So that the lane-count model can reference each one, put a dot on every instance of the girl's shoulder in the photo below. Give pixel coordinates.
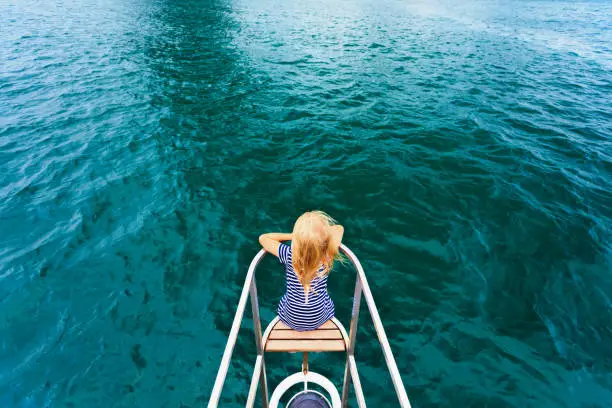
(284, 253)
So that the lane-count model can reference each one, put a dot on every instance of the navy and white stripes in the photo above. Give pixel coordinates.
(293, 310)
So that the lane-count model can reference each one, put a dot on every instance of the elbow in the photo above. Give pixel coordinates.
(262, 237)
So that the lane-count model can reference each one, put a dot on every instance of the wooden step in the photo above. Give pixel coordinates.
(328, 337)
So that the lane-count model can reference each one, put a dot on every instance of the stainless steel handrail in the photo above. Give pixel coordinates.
(231, 339)
(361, 287)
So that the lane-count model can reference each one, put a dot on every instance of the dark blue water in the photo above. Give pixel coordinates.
(466, 147)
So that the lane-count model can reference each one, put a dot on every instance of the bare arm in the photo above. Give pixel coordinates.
(271, 241)
(337, 231)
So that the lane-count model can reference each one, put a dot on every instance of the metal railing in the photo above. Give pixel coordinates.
(350, 372)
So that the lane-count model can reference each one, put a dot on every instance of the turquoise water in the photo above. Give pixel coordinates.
(466, 147)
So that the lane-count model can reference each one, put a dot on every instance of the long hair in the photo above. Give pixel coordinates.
(312, 247)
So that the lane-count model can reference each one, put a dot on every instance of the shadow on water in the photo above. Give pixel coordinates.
(197, 87)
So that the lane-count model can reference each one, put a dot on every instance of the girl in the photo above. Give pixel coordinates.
(314, 247)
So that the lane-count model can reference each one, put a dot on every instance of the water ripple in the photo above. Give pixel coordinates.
(143, 147)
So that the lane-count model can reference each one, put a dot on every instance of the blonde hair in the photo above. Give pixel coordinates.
(312, 247)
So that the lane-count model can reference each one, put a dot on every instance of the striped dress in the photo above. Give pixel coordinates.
(293, 309)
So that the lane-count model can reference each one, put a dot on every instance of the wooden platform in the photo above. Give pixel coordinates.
(282, 338)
